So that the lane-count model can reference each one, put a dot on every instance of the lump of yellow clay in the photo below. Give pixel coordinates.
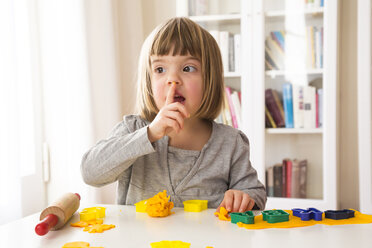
(170, 244)
(98, 228)
(78, 244)
(223, 214)
(195, 205)
(159, 205)
(92, 213)
(86, 223)
(141, 206)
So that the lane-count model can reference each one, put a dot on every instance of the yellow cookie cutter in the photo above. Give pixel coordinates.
(92, 213)
(195, 205)
(141, 206)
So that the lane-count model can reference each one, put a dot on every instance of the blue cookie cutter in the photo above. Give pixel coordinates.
(308, 214)
(339, 214)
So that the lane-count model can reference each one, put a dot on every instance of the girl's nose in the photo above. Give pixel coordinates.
(173, 82)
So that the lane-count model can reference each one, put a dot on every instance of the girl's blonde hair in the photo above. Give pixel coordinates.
(182, 36)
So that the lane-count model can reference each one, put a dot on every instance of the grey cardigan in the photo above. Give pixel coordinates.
(142, 168)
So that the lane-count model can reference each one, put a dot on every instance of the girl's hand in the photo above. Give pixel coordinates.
(170, 117)
(236, 201)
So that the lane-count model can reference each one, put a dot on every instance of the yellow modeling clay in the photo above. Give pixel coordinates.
(170, 244)
(86, 223)
(78, 244)
(141, 206)
(195, 205)
(92, 213)
(223, 214)
(159, 205)
(98, 228)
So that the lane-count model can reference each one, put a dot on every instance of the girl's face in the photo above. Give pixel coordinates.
(186, 72)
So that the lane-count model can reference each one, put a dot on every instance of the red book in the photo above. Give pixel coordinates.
(288, 164)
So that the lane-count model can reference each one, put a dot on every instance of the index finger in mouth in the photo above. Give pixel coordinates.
(170, 95)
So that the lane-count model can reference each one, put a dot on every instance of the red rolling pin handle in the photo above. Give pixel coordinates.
(46, 224)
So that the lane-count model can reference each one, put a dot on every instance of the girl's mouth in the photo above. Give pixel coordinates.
(180, 99)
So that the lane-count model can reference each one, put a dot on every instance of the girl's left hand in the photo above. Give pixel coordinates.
(236, 201)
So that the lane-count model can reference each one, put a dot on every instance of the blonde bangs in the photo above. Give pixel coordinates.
(182, 36)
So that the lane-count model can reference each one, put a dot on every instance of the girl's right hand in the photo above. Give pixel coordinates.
(170, 117)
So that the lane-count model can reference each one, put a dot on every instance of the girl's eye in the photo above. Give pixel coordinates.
(159, 70)
(189, 68)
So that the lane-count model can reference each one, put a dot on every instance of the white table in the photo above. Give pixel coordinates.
(200, 229)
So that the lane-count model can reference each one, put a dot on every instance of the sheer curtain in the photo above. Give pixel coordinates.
(17, 115)
(66, 78)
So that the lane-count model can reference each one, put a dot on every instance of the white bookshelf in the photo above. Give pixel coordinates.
(254, 19)
(365, 104)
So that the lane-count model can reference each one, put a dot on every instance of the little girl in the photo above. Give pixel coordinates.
(173, 143)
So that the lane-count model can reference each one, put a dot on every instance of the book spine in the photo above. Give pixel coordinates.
(231, 107)
(237, 108)
(288, 105)
(270, 182)
(303, 176)
(231, 53)
(289, 178)
(298, 106)
(309, 107)
(224, 47)
(278, 180)
(273, 108)
(237, 52)
(295, 193)
(320, 107)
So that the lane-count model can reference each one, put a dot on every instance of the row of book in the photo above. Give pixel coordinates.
(229, 44)
(231, 114)
(314, 3)
(301, 106)
(287, 179)
(276, 50)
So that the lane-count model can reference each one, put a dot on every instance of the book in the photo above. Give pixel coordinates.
(231, 107)
(273, 104)
(237, 52)
(269, 59)
(320, 107)
(303, 178)
(231, 53)
(270, 181)
(288, 105)
(288, 165)
(269, 118)
(309, 107)
(278, 180)
(276, 53)
(298, 105)
(224, 47)
(237, 108)
(284, 180)
(295, 192)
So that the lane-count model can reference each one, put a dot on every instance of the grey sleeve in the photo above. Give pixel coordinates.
(110, 157)
(243, 176)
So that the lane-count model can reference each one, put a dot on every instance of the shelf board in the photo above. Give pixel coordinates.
(275, 73)
(216, 18)
(294, 130)
(283, 13)
(232, 74)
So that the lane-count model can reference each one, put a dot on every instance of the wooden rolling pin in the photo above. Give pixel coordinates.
(56, 215)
